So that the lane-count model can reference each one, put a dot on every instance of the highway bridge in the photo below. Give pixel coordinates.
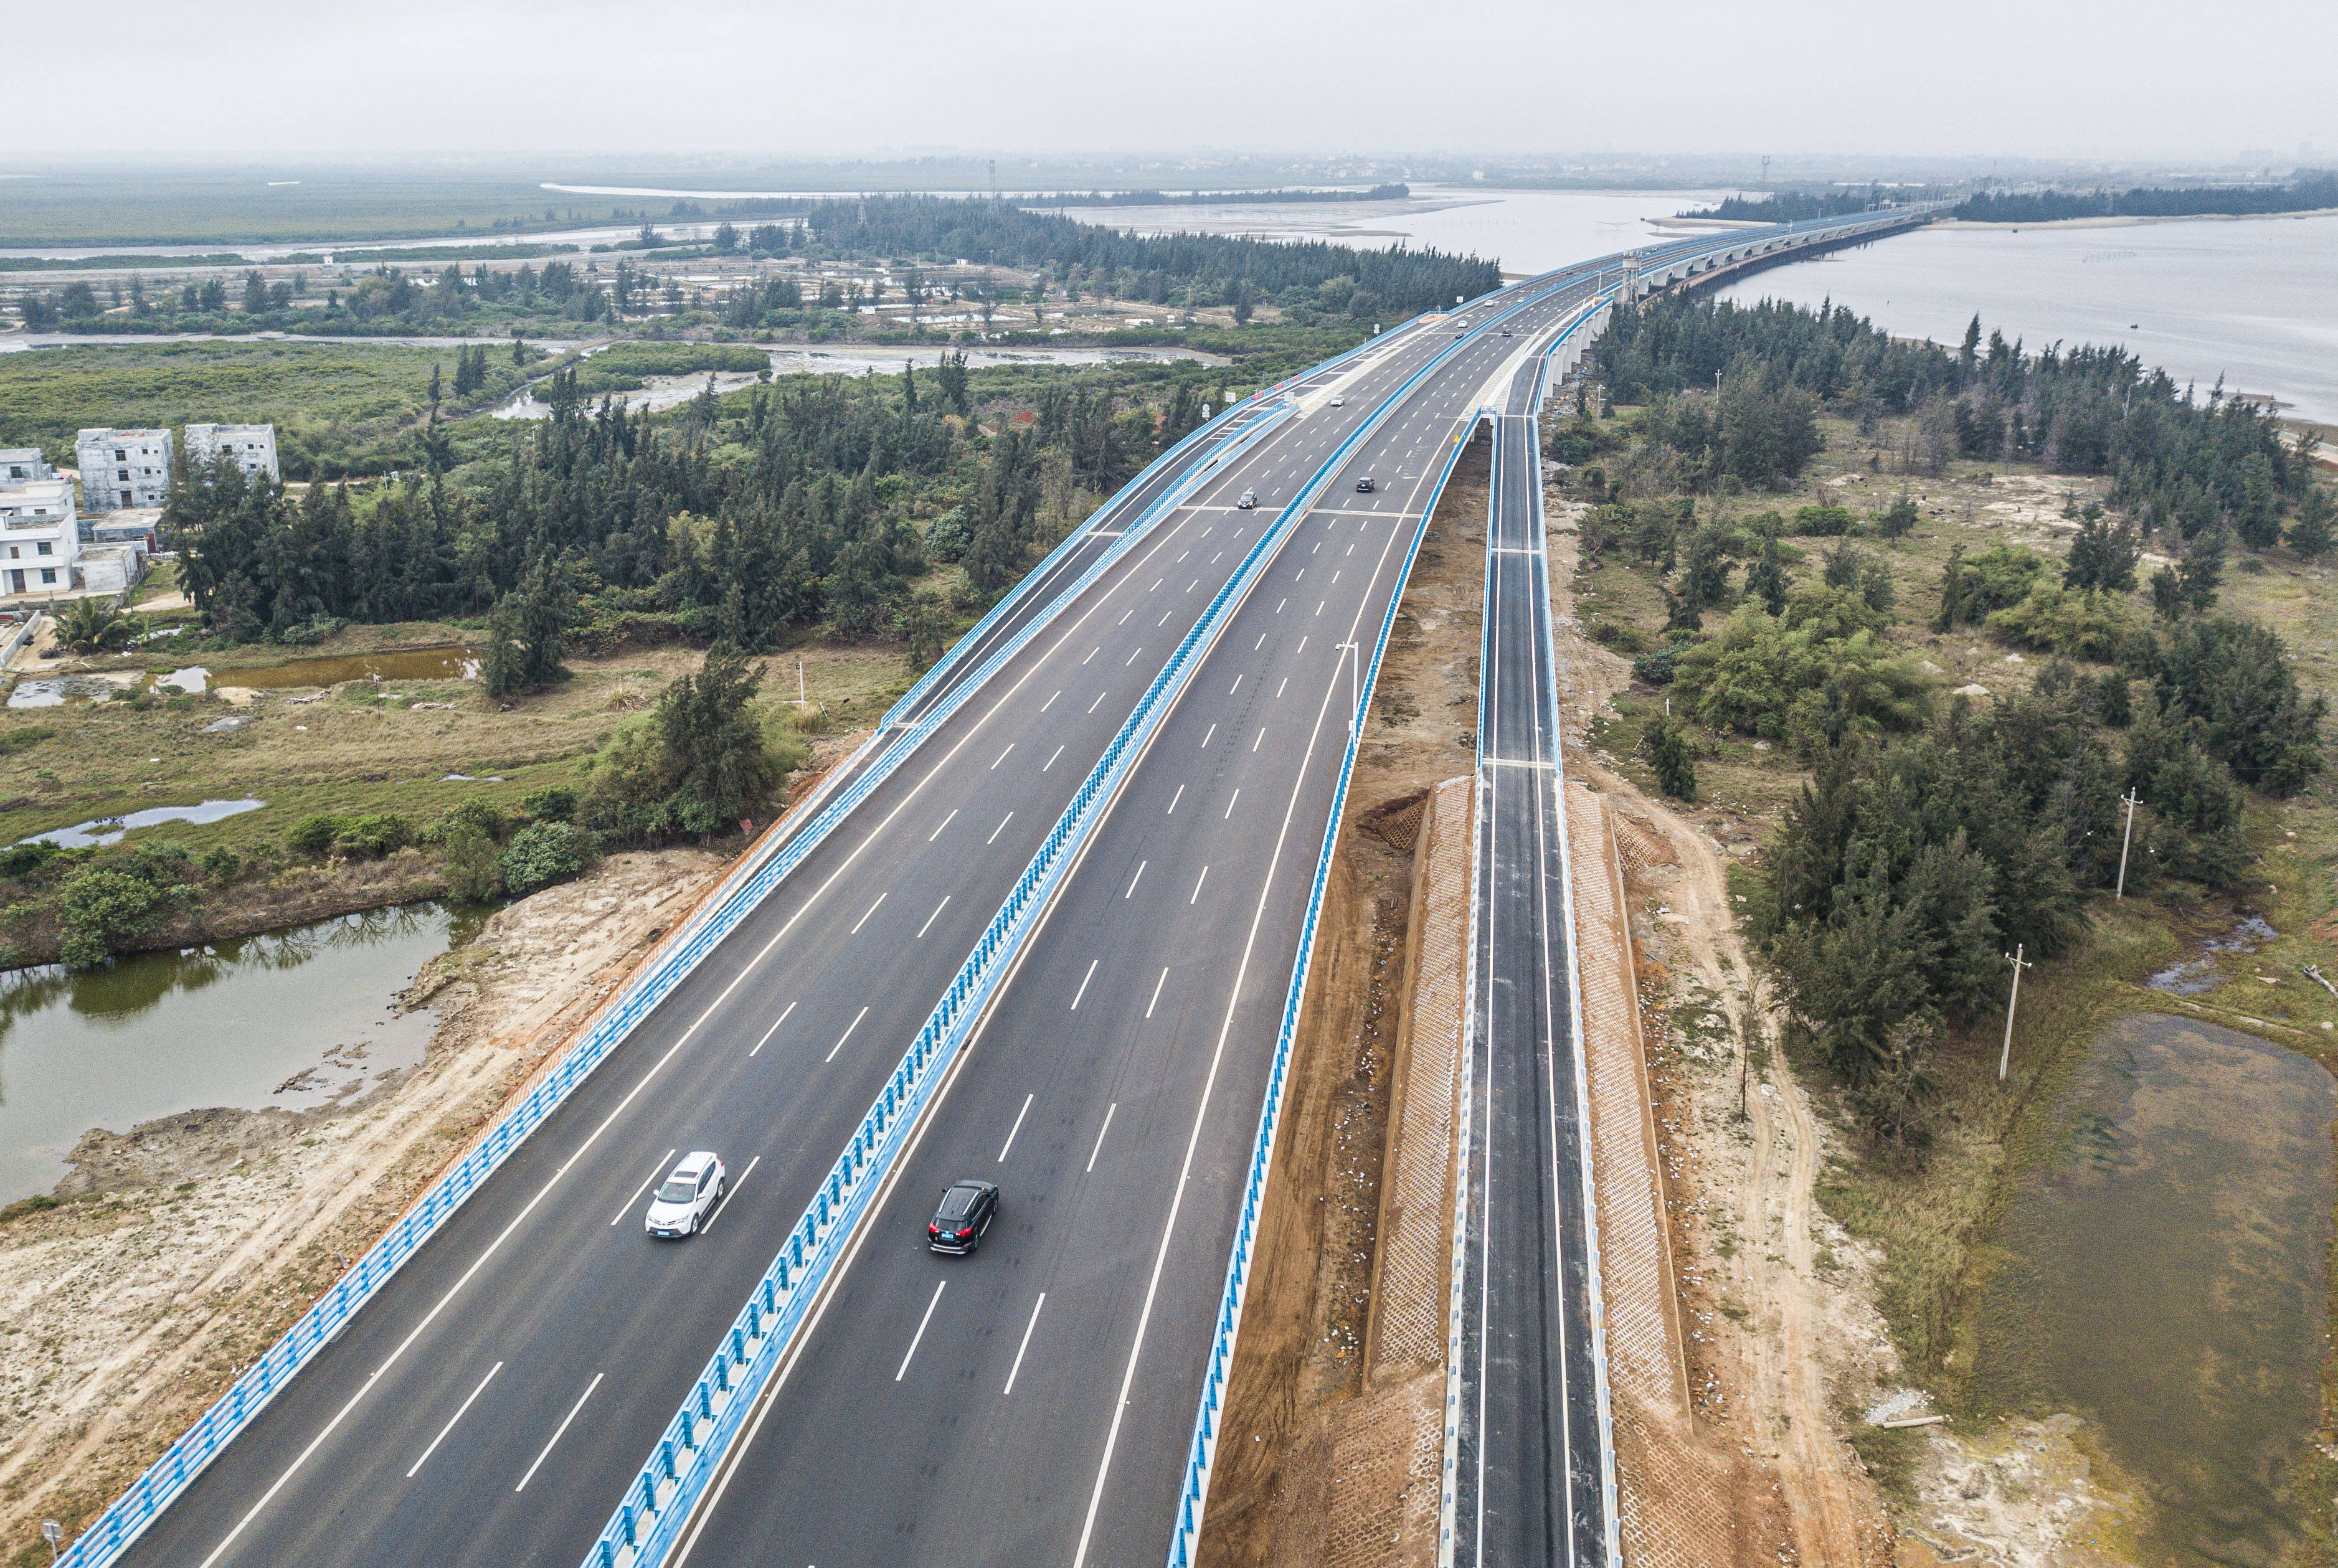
(1049, 927)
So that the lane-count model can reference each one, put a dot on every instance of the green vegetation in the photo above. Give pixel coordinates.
(2190, 467)
(337, 410)
(1181, 269)
(1394, 191)
(2310, 191)
(1797, 206)
(622, 367)
(700, 763)
(1935, 835)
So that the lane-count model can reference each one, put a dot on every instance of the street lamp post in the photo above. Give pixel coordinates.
(1355, 652)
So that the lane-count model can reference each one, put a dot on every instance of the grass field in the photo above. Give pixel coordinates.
(324, 399)
(251, 204)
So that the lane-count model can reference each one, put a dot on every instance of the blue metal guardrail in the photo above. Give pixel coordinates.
(1194, 1496)
(666, 966)
(1550, 718)
(658, 1502)
(1466, 1091)
(1186, 448)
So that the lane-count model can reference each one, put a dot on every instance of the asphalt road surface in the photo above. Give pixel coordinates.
(1031, 1403)
(1530, 1477)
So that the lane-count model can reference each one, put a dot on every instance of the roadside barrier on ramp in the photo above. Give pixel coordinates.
(659, 1502)
(781, 849)
(1592, 316)
(1194, 1496)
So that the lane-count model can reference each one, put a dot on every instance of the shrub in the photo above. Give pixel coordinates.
(1657, 668)
(24, 859)
(2082, 623)
(314, 835)
(1828, 522)
(1675, 765)
(222, 866)
(946, 537)
(100, 906)
(474, 868)
(476, 814)
(372, 835)
(544, 854)
(1898, 517)
(1972, 588)
(1760, 676)
(552, 803)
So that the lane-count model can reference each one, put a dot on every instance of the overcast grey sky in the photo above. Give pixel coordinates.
(2091, 78)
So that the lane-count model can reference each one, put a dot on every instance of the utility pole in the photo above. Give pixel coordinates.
(2005, 1057)
(2132, 800)
(799, 685)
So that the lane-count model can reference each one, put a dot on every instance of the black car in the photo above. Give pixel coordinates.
(964, 1218)
(1364, 485)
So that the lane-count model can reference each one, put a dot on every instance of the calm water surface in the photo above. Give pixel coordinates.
(2164, 1276)
(293, 1019)
(2254, 301)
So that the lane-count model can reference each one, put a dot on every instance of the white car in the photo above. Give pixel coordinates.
(683, 1202)
(1337, 401)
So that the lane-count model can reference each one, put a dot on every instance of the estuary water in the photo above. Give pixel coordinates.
(2253, 300)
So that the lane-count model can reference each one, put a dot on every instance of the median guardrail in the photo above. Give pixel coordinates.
(659, 1501)
(670, 962)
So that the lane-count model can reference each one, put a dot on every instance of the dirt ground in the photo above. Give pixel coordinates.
(1779, 1325)
(1298, 1365)
(190, 1244)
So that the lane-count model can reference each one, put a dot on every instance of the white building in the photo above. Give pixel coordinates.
(19, 464)
(123, 468)
(109, 568)
(254, 447)
(40, 536)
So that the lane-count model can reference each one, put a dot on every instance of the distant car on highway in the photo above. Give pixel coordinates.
(1249, 499)
(1364, 486)
(683, 1202)
(964, 1217)
(1339, 401)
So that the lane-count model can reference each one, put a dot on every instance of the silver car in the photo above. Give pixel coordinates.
(680, 1206)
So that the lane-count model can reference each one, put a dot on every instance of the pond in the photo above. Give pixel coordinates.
(110, 829)
(2164, 1276)
(297, 1018)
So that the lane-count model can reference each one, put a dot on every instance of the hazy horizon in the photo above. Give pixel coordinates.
(1979, 80)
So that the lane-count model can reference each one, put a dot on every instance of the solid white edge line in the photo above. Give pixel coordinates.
(560, 1431)
(939, 1286)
